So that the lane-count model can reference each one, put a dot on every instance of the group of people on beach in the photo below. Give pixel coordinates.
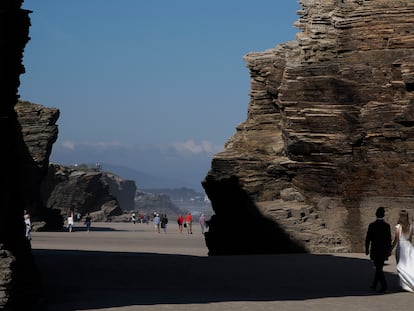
(379, 245)
(141, 218)
(70, 221)
(187, 222)
(160, 222)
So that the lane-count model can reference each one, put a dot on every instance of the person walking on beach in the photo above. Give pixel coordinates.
(70, 222)
(202, 222)
(189, 223)
(164, 222)
(404, 253)
(157, 222)
(88, 222)
(28, 225)
(180, 221)
(378, 246)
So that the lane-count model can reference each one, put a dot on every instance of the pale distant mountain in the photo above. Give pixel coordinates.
(145, 180)
(149, 168)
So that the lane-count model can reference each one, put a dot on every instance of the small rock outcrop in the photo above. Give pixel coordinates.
(329, 133)
(83, 190)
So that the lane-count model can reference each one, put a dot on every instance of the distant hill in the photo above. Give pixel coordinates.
(179, 194)
(186, 199)
(145, 180)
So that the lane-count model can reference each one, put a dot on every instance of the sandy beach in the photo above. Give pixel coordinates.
(122, 266)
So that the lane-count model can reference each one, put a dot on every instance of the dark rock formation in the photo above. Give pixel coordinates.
(329, 133)
(17, 271)
(72, 189)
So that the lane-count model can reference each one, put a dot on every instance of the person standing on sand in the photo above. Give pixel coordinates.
(202, 222)
(157, 222)
(70, 222)
(189, 223)
(28, 225)
(180, 221)
(164, 222)
(404, 253)
(88, 222)
(378, 246)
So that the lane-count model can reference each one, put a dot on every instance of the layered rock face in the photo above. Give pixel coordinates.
(39, 132)
(17, 272)
(329, 135)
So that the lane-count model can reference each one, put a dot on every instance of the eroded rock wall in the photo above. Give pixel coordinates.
(18, 277)
(329, 134)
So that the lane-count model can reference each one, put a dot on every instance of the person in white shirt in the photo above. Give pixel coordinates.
(157, 221)
(70, 223)
(28, 225)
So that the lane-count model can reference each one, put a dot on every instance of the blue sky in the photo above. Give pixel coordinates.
(157, 86)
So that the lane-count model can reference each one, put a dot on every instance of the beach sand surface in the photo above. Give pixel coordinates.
(126, 266)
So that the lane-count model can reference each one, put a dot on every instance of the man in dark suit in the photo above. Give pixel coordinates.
(379, 238)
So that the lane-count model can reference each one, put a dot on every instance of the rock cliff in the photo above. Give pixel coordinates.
(18, 278)
(329, 134)
(39, 131)
(75, 189)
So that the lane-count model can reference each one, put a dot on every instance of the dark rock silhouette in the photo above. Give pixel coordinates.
(18, 276)
(85, 190)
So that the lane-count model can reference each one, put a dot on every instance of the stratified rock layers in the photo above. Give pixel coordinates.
(18, 279)
(329, 134)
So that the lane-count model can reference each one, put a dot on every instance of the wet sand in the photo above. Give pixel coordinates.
(122, 266)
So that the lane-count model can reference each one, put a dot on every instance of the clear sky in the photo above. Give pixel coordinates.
(157, 86)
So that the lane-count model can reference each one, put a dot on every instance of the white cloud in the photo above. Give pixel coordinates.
(71, 145)
(192, 147)
(189, 147)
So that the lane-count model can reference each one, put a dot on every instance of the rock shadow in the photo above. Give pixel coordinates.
(109, 279)
(238, 227)
(80, 228)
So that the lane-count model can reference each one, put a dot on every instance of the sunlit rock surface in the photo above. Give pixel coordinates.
(329, 134)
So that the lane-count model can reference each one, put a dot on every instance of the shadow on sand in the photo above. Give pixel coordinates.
(81, 228)
(82, 280)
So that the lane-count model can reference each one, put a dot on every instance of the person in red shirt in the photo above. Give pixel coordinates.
(180, 221)
(189, 223)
